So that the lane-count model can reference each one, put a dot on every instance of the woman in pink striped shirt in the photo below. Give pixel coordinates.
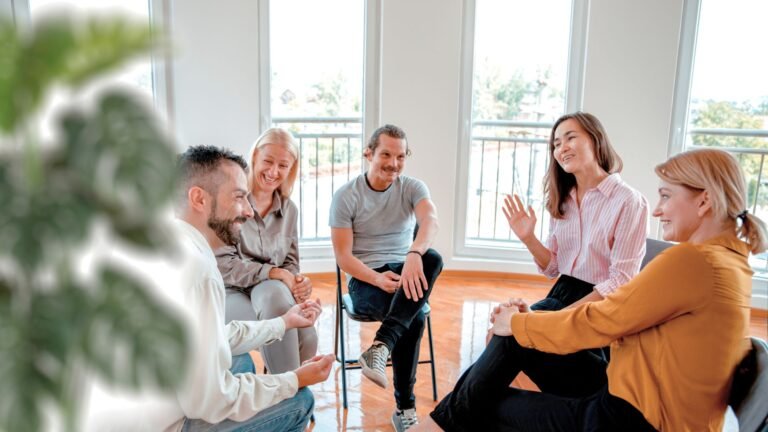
(598, 223)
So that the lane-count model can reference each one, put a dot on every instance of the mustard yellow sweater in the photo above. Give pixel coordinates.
(676, 331)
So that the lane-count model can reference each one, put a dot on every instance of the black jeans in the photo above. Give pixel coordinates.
(566, 291)
(574, 394)
(402, 322)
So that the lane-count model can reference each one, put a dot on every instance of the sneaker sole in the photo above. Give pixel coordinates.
(371, 375)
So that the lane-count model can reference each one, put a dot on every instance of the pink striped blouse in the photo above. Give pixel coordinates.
(603, 242)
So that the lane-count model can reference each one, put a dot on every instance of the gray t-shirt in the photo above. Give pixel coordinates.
(382, 222)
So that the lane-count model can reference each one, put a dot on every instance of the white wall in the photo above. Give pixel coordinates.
(215, 72)
(629, 80)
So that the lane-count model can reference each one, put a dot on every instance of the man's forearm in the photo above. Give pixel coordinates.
(355, 268)
(426, 235)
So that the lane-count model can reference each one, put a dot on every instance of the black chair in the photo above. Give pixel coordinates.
(344, 306)
(749, 391)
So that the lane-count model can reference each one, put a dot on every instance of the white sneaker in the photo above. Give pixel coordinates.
(404, 420)
(373, 363)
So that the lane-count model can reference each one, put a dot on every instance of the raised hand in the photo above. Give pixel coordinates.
(521, 221)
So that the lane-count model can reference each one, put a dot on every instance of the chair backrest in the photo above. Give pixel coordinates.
(749, 391)
(653, 248)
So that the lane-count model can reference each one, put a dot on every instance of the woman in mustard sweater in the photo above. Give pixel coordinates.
(677, 330)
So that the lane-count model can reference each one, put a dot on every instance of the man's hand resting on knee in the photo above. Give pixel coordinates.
(412, 277)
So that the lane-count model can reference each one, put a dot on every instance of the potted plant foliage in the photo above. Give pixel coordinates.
(109, 164)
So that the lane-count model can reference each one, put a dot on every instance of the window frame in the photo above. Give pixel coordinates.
(573, 99)
(681, 109)
(160, 62)
(371, 91)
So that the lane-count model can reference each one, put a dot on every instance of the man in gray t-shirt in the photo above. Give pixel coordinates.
(392, 274)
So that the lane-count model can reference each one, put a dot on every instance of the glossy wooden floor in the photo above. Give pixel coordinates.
(461, 306)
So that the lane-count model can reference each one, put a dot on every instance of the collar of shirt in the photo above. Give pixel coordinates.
(195, 237)
(730, 241)
(605, 187)
(277, 204)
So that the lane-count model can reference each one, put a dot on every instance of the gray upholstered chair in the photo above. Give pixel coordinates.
(653, 248)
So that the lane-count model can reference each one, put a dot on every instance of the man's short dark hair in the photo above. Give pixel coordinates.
(391, 131)
(199, 166)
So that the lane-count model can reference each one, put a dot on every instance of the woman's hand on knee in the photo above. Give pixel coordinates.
(502, 320)
(302, 288)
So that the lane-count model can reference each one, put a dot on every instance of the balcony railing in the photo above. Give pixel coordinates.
(331, 153)
(506, 157)
(754, 167)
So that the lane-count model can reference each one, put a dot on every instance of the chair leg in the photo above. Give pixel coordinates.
(342, 359)
(432, 358)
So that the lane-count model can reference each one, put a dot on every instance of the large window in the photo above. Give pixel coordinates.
(520, 63)
(138, 75)
(316, 88)
(146, 77)
(727, 103)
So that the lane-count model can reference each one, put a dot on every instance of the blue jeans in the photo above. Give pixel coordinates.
(289, 415)
(402, 322)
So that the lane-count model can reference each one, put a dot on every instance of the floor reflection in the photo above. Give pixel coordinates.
(461, 308)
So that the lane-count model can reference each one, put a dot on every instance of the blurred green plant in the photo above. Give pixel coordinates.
(110, 165)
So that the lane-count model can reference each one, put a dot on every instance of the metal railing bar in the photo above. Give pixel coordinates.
(317, 120)
(317, 181)
(755, 133)
(480, 206)
(496, 195)
(759, 183)
(513, 123)
(510, 139)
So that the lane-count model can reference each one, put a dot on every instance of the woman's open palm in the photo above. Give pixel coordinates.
(522, 222)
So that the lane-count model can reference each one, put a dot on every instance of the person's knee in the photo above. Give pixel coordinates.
(433, 261)
(418, 320)
(306, 402)
(273, 298)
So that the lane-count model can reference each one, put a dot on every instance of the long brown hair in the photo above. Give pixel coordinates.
(557, 182)
(718, 173)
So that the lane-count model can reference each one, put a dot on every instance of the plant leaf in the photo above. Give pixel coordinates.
(9, 54)
(60, 49)
(104, 44)
(133, 340)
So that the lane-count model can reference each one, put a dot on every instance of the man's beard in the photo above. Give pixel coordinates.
(224, 228)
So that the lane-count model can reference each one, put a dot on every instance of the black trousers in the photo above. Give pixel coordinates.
(574, 387)
(566, 291)
(402, 322)
(574, 394)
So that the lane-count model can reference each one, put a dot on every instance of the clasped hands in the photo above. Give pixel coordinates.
(501, 316)
(299, 285)
(411, 279)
